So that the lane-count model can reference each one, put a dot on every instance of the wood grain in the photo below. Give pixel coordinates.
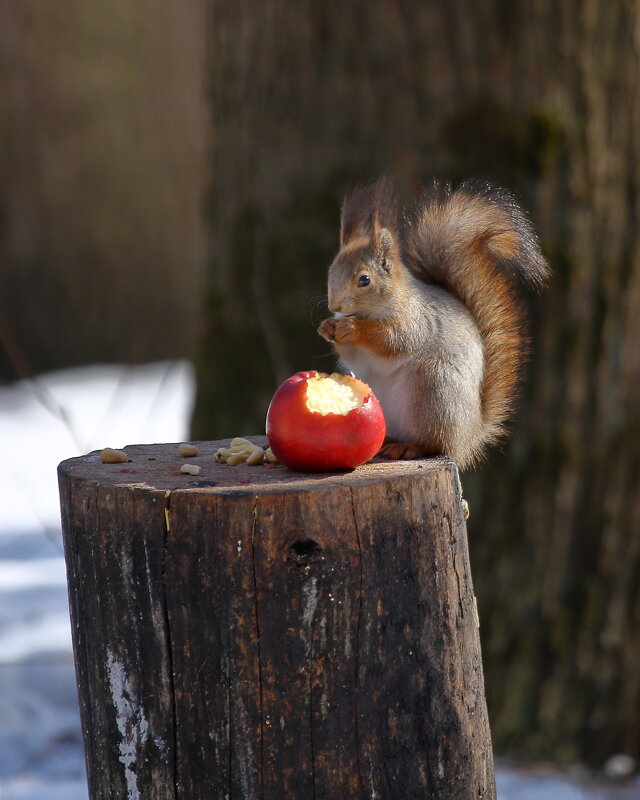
(292, 636)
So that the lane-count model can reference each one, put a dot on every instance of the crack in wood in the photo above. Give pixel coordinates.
(309, 591)
(454, 561)
(231, 732)
(311, 733)
(356, 678)
(257, 623)
(385, 765)
(169, 642)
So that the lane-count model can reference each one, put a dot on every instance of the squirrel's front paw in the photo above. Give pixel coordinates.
(340, 330)
(327, 329)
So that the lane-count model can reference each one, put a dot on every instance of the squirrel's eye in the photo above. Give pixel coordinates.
(364, 280)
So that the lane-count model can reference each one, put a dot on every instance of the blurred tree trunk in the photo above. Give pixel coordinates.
(103, 129)
(542, 97)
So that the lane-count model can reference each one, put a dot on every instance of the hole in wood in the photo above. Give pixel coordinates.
(304, 548)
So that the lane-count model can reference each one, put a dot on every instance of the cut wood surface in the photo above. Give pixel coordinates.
(254, 632)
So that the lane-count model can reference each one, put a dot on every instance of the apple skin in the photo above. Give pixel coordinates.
(311, 442)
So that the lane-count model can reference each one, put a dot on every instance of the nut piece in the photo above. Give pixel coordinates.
(269, 456)
(241, 450)
(255, 457)
(190, 469)
(111, 456)
(187, 450)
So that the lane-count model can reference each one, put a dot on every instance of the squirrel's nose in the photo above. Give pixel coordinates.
(333, 303)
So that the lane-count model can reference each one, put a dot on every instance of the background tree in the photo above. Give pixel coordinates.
(543, 97)
(103, 129)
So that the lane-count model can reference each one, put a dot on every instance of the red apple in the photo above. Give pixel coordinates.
(318, 422)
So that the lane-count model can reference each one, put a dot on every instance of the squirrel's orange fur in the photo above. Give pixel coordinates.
(427, 313)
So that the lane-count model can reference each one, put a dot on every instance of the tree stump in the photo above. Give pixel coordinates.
(255, 632)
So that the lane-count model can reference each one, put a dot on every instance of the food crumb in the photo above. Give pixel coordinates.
(190, 469)
(111, 456)
(269, 456)
(187, 450)
(240, 451)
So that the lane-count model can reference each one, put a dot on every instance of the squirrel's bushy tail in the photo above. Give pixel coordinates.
(476, 242)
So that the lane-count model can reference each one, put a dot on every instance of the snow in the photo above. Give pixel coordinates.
(43, 421)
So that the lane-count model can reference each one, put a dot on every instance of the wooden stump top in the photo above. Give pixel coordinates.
(157, 467)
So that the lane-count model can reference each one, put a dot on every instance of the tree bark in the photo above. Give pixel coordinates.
(103, 132)
(260, 633)
(541, 97)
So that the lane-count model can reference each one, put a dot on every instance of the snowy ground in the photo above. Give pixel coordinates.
(42, 422)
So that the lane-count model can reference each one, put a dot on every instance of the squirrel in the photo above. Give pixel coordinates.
(426, 311)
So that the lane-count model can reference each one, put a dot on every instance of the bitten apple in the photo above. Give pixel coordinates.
(318, 422)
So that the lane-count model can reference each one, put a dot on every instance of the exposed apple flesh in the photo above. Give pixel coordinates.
(335, 394)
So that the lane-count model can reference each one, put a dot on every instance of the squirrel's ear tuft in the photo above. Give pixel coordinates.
(367, 209)
(356, 217)
(384, 247)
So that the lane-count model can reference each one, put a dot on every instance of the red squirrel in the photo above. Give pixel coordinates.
(426, 312)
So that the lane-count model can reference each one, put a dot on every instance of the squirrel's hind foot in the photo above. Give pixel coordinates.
(401, 451)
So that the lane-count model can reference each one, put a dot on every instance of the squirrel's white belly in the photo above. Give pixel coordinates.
(392, 384)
